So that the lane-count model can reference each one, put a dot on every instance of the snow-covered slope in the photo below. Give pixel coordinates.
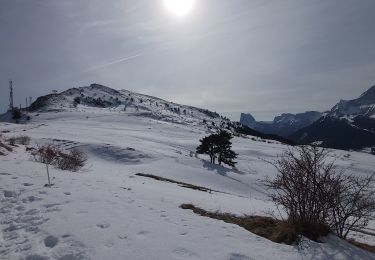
(105, 211)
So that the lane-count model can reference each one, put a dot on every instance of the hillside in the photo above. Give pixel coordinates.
(99, 96)
(106, 211)
(336, 133)
(85, 99)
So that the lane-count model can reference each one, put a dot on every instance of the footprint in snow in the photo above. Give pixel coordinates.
(239, 257)
(10, 194)
(182, 252)
(51, 241)
(72, 257)
(36, 257)
(31, 199)
(103, 225)
(143, 234)
(109, 243)
(27, 184)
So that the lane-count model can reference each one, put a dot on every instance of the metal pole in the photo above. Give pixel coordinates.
(11, 95)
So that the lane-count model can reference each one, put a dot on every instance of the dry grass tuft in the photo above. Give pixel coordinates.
(267, 227)
(181, 184)
(364, 246)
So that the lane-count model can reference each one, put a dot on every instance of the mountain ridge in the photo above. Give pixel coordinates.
(352, 120)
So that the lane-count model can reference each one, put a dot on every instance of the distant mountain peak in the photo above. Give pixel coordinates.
(247, 119)
(369, 94)
(283, 125)
(364, 105)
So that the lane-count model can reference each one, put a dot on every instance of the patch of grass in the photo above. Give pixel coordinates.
(364, 246)
(181, 184)
(275, 230)
(6, 147)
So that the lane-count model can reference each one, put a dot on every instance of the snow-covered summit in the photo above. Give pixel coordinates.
(364, 105)
(98, 96)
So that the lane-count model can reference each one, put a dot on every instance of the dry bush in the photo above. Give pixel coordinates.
(317, 197)
(12, 141)
(45, 154)
(72, 161)
(6, 147)
(49, 154)
(353, 205)
(24, 140)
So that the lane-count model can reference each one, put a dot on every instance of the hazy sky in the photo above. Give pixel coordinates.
(259, 56)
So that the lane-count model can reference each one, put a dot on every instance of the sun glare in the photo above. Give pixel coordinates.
(179, 7)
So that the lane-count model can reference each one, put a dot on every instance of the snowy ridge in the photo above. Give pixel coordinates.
(364, 106)
(126, 102)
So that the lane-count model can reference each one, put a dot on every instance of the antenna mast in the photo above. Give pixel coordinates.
(11, 95)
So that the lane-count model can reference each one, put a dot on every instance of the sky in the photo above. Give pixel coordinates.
(265, 57)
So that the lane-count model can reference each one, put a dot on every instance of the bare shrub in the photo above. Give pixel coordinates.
(6, 147)
(12, 141)
(72, 161)
(317, 197)
(302, 187)
(24, 140)
(49, 154)
(46, 154)
(353, 205)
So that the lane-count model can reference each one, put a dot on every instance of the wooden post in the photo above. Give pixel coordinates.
(49, 181)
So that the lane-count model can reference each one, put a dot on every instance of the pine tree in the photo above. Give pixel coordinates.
(208, 146)
(224, 149)
(218, 146)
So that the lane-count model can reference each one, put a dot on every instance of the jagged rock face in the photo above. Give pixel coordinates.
(247, 119)
(364, 105)
(298, 120)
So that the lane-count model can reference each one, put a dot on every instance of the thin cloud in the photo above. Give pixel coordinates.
(108, 64)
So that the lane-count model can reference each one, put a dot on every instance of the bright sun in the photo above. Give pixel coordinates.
(179, 7)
